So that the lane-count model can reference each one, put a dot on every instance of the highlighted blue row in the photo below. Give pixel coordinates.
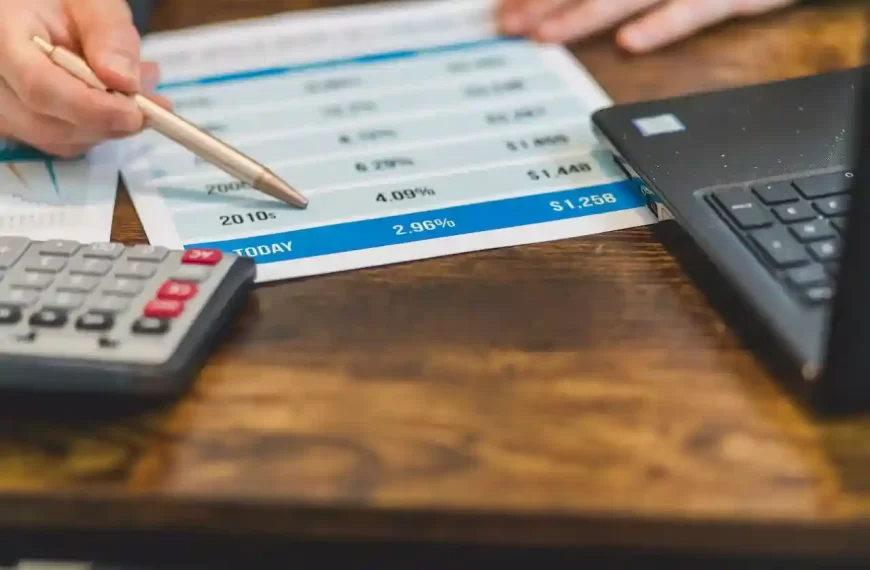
(434, 224)
(331, 63)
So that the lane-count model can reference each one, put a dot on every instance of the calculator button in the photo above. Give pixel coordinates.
(45, 264)
(192, 273)
(123, 287)
(174, 291)
(11, 250)
(18, 298)
(9, 315)
(152, 253)
(95, 322)
(104, 250)
(48, 318)
(160, 309)
(64, 301)
(63, 248)
(35, 281)
(148, 325)
(202, 256)
(109, 304)
(89, 266)
(77, 283)
(135, 269)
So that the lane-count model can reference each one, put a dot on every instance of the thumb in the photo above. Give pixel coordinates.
(109, 40)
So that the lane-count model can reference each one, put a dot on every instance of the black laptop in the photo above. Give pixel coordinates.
(771, 181)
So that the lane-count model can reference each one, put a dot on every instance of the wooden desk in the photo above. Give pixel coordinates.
(577, 393)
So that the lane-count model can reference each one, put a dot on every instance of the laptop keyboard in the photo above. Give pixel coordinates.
(795, 227)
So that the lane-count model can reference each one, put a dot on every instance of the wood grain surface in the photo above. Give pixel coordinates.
(582, 392)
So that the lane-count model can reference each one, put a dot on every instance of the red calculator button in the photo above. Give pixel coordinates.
(177, 291)
(161, 309)
(202, 256)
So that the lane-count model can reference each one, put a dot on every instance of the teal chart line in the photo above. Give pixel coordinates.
(11, 152)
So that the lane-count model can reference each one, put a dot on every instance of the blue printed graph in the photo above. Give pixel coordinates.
(12, 156)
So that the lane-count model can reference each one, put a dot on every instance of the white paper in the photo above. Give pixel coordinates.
(413, 128)
(43, 198)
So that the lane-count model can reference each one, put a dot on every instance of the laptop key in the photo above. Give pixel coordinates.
(825, 184)
(836, 206)
(818, 294)
(839, 224)
(776, 192)
(780, 247)
(807, 276)
(799, 212)
(825, 251)
(744, 209)
(812, 230)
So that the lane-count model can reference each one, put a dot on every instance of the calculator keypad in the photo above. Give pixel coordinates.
(102, 301)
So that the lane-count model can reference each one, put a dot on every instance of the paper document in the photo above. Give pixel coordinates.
(414, 130)
(43, 198)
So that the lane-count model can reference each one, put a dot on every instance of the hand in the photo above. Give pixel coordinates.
(655, 22)
(43, 105)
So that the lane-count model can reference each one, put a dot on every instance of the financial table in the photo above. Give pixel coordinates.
(406, 148)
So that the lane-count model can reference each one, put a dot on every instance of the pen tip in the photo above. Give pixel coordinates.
(277, 188)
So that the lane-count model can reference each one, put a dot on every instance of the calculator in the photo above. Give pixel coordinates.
(86, 318)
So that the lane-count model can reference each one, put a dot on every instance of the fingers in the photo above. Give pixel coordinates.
(678, 19)
(524, 16)
(578, 20)
(47, 134)
(109, 41)
(47, 89)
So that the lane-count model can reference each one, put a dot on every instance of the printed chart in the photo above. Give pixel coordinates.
(411, 144)
(45, 198)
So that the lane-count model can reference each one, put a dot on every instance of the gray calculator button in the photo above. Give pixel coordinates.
(77, 283)
(30, 280)
(64, 301)
(18, 297)
(11, 250)
(44, 264)
(152, 253)
(95, 322)
(48, 318)
(151, 326)
(123, 287)
(62, 247)
(96, 267)
(9, 315)
(194, 273)
(109, 304)
(104, 250)
(135, 269)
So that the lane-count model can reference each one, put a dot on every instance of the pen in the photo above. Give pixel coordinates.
(186, 134)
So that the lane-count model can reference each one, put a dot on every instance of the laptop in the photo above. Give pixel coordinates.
(771, 181)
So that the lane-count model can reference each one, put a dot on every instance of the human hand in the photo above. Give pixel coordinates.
(43, 105)
(654, 23)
